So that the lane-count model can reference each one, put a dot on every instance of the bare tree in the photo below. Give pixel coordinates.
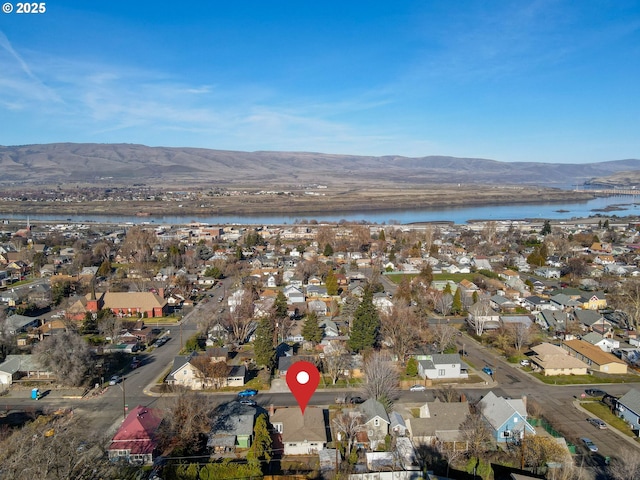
(67, 448)
(443, 335)
(335, 362)
(520, 334)
(401, 330)
(479, 315)
(110, 326)
(186, 424)
(67, 355)
(443, 303)
(211, 373)
(627, 299)
(240, 322)
(448, 394)
(476, 432)
(381, 379)
(625, 466)
(451, 452)
(348, 424)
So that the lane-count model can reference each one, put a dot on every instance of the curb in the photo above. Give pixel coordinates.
(577, 406)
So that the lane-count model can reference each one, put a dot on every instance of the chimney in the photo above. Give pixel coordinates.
(271, 410)
(524, 400)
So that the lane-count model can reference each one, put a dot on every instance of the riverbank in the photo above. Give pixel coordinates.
(329, 201)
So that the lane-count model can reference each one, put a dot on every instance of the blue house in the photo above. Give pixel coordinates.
(506, 417)
(628, 407)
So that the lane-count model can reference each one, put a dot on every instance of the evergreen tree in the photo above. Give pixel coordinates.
(365, 325)
(382, 236)
(447, 289)
(546, 228)
(311, 330)
(331, 282)
(328, 250)
(280, 309)
(263, 345)
(475, 297)
(105, 269)
(260, 450)
(412, 367)
(456, 306)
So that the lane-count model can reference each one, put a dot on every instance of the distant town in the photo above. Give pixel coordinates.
(489, 350)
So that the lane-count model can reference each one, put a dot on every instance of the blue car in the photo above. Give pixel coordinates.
(249, 392)
(488, 371)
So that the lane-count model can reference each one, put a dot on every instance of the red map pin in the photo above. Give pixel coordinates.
(303, 379)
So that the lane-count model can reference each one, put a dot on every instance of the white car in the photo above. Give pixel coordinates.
(525, 362)
(417, 388)
(114, 380)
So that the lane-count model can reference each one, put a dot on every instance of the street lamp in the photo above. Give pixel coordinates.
(124, 402)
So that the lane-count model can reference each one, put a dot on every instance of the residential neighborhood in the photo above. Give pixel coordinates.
(412, 328)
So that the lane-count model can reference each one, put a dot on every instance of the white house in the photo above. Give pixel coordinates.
(442, 366)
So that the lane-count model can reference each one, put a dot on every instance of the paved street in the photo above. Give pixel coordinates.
(558, 403)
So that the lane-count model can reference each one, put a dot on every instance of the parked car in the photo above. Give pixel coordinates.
(135, 363)
(525, 362)
(589, 444)
(249, 392)
(114, 380)
(596, 422)
(356, 400)
(248, 401)
(595, 392)
(488, 371)
(417, 388)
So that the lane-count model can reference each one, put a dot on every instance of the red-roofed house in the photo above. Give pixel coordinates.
(135, 441)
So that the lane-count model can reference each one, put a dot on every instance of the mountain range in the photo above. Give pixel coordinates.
(91, 163)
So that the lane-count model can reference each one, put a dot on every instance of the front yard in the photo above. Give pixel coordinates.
(603, 412)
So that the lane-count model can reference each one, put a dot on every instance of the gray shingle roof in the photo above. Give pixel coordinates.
(372, 408)
(497, 410)
(631, 400)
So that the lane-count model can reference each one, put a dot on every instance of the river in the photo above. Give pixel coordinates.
(458, 215)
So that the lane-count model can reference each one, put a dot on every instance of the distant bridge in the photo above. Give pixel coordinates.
(610, 191)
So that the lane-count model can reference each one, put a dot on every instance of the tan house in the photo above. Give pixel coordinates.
(298, 434)
(594, 357)
(553, 360)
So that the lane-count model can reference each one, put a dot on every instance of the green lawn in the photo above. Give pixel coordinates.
(585, 379)
(604, 413)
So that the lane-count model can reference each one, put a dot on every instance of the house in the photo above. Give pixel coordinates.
(594, 301)
(298, 434)
(506, 417)
(438, 421)
(442, 366)
(628, 408)
(232, 428)
(552, 320)
(293, 294)
(547, 272)
(376, 423)
(482, 317)
(604, 343)
(20, 323)
(127, 304)
(554, 360)
(15, 367)
(397, 426)
(593, 356)
(187, 372)
(317, 306)
(136, 439)
(502, 303)
(592, 321)
(562, 301)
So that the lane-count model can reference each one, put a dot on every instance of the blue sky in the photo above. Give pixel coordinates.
(521, 80)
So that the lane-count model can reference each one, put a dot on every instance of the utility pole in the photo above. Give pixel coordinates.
(124, 401)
